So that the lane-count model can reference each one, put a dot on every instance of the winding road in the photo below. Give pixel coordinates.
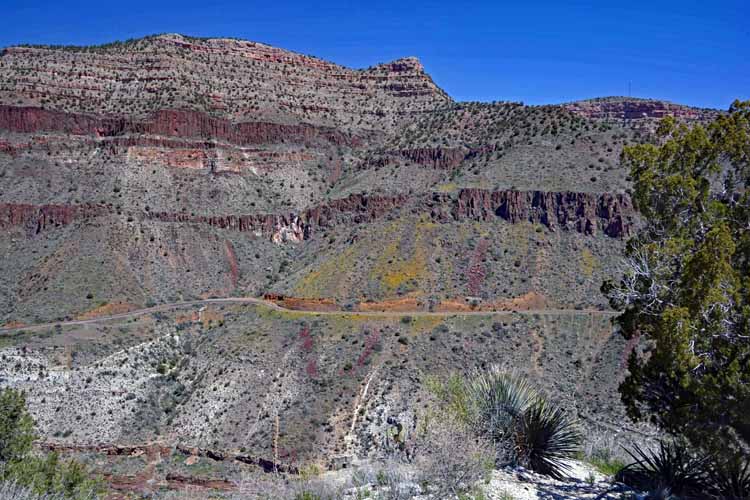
(273, 305)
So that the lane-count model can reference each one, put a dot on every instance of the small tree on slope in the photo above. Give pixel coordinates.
(16, 427)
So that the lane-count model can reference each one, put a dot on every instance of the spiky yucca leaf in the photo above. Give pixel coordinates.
(730, 478)
(546, 437)
(498, 399)
(671, 467)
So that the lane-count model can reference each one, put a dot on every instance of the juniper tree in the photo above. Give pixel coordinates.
(686, 286)
(16, 426)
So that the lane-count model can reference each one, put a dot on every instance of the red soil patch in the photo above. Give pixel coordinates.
(405, 304)
(107, 310)
(178, 481)
(209, 316)
(187, 318)
(525, 302)
(455, 305)
(234, 269)
(477, 269)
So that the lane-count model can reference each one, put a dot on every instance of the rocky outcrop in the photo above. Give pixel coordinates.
(586, 213)
(446, 158)
(636, 109)
(440, 158)
(148, 449)
(169, 123)
(38, 218)
(281, 228)
(582, 212)
(219, 76)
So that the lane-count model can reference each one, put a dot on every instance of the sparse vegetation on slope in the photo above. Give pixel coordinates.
(23, 471)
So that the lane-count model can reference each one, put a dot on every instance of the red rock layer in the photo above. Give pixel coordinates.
(38, 218)
(171, 123)
(582, 212)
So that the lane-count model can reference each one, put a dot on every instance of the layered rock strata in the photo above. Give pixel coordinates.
(585, 213)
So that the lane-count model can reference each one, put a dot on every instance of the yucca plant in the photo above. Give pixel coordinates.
(525, 428)
(546, 437)
(730, 478)
(671, 467)
(497, 399)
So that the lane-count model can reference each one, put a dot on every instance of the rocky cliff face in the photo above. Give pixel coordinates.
(223, 77)
(168, 123)
(621, 108)
(582, 212)
(35, 219)
(195, 167)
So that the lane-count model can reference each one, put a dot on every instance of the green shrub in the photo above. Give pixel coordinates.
(16, 426)
(607, 466)
(49, 474)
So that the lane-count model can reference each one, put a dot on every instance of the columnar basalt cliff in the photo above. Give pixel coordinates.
(38, 218)
(582, 212)
(437, 157)
(434, 157)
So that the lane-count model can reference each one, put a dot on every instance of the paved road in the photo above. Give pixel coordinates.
(273, 305)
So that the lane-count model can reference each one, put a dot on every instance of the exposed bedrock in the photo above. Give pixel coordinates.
(633, 109)
(586, 213)
(583, 212)
(38, 218)
(171, 123)
(438, 157)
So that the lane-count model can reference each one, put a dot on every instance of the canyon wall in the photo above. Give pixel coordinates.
(585, 213)
(170, 123)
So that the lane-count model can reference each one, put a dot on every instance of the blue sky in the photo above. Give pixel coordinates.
(692, 52)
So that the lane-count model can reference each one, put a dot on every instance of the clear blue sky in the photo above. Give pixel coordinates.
(688, 51)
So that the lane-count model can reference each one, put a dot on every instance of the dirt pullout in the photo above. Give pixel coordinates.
(13, 324)
(526, 302)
